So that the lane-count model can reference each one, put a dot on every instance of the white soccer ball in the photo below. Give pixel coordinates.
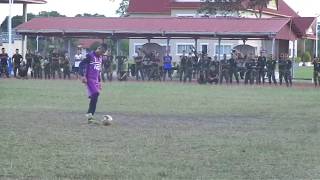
(107, 119)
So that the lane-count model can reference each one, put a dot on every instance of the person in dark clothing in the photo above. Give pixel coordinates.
(29, 58)
(36, 66)
(288, 70)
(17, 59)
(282, 70)
(250, 70)
(139, 65)
(271, 67)
(261, 73)
(188, 68)
(4, 63)
(316, 72)
(233, 68)
(224, 69)
(183, 61)
(66, 66)
(55, 67)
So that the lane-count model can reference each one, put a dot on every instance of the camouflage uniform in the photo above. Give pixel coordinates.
(271, 66)
(233, 69)
(282, 71)
(183, 60)
(188, 69)
(261, 69)
(316, 72)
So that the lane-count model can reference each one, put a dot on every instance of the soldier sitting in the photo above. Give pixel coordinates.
(23, 70)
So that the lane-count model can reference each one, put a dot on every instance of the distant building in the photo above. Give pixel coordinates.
(188, 9)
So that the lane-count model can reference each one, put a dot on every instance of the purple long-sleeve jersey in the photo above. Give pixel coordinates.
(93, 71)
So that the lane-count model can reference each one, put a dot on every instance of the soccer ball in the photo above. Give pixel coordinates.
(107, 119)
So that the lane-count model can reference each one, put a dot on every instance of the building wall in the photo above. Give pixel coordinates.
(260, 45)
(150, 15)
(16, 45)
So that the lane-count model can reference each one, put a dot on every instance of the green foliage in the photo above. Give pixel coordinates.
(213, 7)
(306, 57)
(17, 20)
(226, 8)
(298, 59)
(90, 15)
(123, 8)
(258, 5)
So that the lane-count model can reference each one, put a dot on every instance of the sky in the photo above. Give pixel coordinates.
(109, 7)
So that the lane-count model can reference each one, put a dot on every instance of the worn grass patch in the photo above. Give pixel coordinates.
(161, 131)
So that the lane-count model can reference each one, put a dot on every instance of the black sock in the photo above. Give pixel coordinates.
(93, 103)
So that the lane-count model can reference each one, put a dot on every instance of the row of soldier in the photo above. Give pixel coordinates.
(249, 68)
(39, 66)
(151, 66)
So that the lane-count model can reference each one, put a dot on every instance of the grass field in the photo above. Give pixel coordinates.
(161, 131)
(303, 73)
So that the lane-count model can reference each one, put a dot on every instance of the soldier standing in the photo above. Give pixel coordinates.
(107, 61)
(46, 68)
(66, 66)
(288, 70)
(188, 68)
(139, 65)
(29, 59)
(233, 68)
(282, 70)
(316, 72)
(225, 68)
(261, 69)
(54, 64)
(36, 66)
(17, 59)
(183, 60)
(249, 75)
(271, 66)
(4, 63)
(167, 66)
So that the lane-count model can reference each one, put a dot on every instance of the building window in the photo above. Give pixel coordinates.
(184, 47)
(136, 47)
(204, 48)
(224, 49)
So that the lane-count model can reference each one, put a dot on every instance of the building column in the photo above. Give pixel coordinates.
(24, 37)
(293, 57)
(219, 46)
(168, 46)
(196, 44)
(117, 47)
(273, 47)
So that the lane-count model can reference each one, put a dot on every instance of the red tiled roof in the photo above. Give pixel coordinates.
(26, 1)
(149, 6)
(155, 27)
(302, 24)
(165, 6)
(283, 10)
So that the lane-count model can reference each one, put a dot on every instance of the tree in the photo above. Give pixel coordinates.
(213, 7)
(90, 15)
(17, 20)
(229, 7)
(123, 8)
(258, 5)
